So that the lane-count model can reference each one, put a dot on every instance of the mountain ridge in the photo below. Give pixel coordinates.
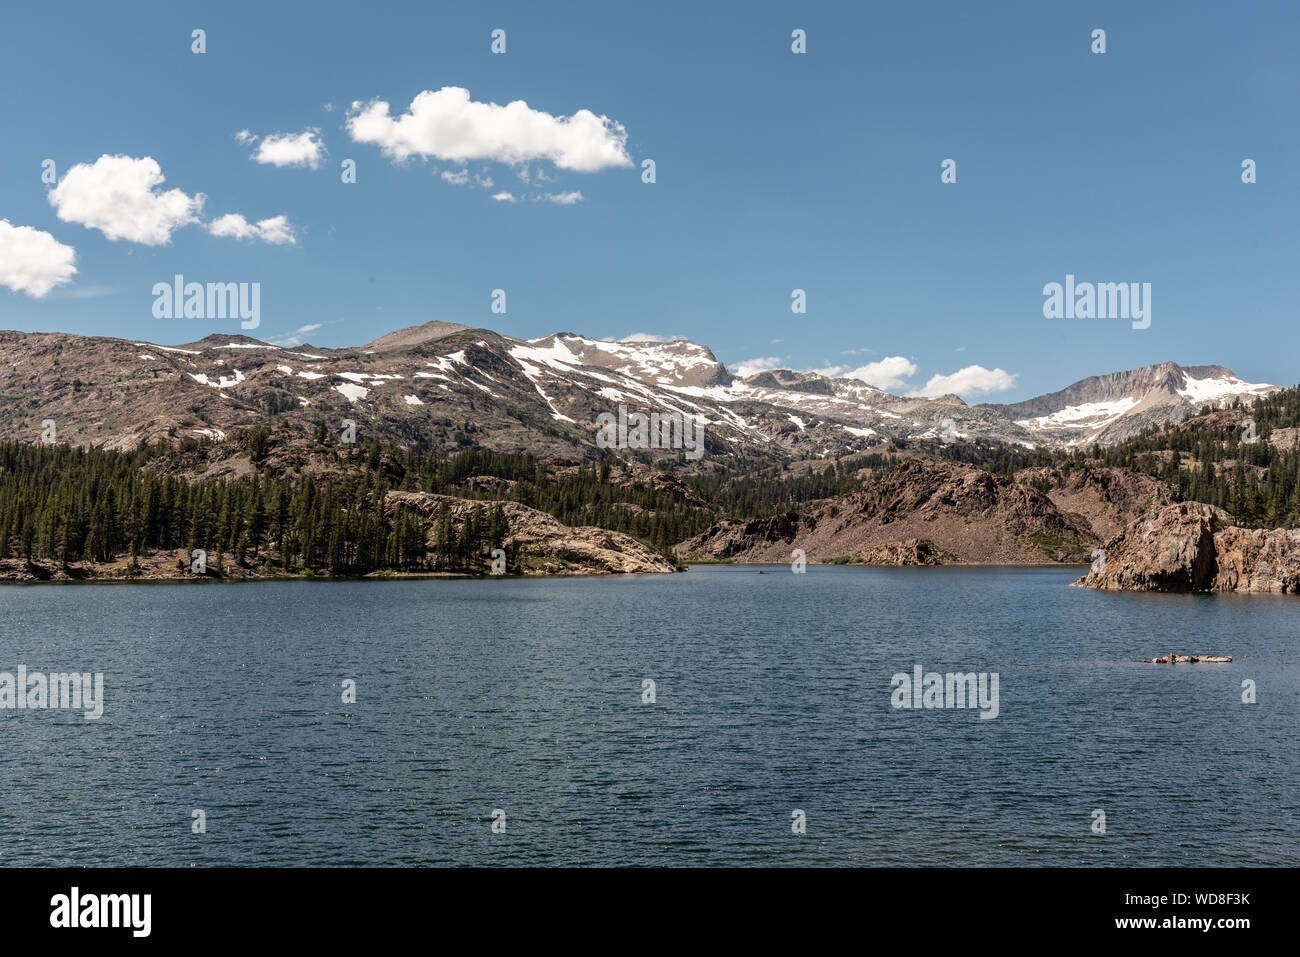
(450, 385)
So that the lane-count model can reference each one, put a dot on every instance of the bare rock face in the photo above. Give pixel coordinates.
(1284, 439)
(1169, 549)
(1258, 560)
(488, 483)
(1108, 497)
(748, 540)
(911, 551)
(551, 547)
(1190, 547)
(974, 516)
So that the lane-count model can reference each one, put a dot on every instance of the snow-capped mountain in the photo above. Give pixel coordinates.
(1107, 409)
(445, 385)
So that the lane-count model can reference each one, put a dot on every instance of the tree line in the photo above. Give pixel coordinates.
(66, 505)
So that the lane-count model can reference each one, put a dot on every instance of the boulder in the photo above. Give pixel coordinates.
(559, 548)
(910, 551)
(1190, 547)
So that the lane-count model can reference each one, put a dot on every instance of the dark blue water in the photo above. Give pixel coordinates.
(773, 694)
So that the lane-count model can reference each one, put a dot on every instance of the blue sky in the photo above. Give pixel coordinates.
(774, 171)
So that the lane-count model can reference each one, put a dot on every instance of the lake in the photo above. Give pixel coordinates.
(520, 702)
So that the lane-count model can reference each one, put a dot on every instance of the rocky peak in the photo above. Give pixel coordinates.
(791, 381)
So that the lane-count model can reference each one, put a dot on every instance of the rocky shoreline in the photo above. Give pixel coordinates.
(18, 572)
(1191, 547)
(113, 574)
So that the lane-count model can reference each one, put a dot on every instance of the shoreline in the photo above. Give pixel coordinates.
(256, 579)
(910, 567)
(462, 576)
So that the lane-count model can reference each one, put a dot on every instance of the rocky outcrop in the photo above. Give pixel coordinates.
(172, 565)
(543, 544)
(1172, 659)
(973, 515)
(1190, 547)
(1108, 498)
(1257, 560)
(731, 539)
(909, 552)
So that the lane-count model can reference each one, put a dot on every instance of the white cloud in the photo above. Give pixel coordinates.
(504, 197)
(972, 380)
(118, 195)
(528, 175)
(244, 137)
(297, 338)
(650, 337)
(462, 177)
(748, 367)
(891, 374)
(448, 125)
(86, 292)
(560, 199)
(888, 373)
(33, 261)
(288, 149)
(275, 230)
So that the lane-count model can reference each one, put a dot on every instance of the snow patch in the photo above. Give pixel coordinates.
(224, 382)
(1082, 416)
(352, 392)
(1201, 391)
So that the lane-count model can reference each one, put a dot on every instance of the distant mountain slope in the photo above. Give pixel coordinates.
(448, 386)
(1110, 408)
(413, 336)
